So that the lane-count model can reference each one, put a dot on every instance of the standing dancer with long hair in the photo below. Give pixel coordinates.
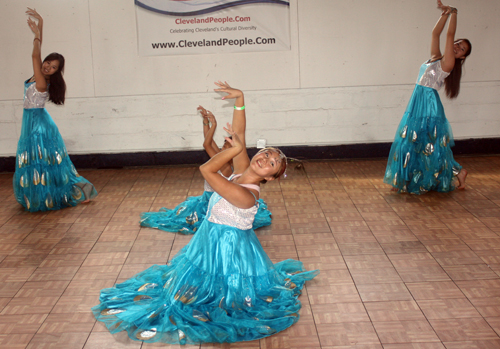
(222, 286)
(187, 217)
(421, 158)
(45, 178)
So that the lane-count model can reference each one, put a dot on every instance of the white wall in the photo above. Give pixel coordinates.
(347, 78)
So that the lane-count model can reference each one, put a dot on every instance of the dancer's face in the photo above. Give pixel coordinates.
(266, 164)
(460, 48)
(50, 67)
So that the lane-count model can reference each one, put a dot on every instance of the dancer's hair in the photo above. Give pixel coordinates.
(452, 82)
(57, 86)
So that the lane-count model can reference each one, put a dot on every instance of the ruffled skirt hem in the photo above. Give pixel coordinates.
(185, 218)
(221, 287)
(45, 178)
(421, 159)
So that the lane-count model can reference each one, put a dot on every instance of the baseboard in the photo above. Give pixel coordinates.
(482, 146)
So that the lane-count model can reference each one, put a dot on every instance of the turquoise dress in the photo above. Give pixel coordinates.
(221, 287)
(421, 158)
(45, 178)
(187, 217)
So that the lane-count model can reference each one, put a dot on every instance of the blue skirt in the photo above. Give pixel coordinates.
(221, 287)
(45, 178)
(421, 158)
(187, 217)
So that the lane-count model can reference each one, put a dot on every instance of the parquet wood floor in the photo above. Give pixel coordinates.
(397, 271)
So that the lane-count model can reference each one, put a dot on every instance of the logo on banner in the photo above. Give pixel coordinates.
(197, 7)
(180, 27)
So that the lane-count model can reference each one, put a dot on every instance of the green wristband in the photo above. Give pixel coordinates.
(239, 108)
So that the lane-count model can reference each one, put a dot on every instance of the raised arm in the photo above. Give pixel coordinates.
(209, 127)
(448, 58)
(210, 124)
(206, 122)
(241, 161)
(448, 61)
(436, 32)
(209, 139)
(32, 12)
(232, 192)
(36, 55)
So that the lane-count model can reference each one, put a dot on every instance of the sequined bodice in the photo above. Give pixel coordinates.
(220, 211)
(432, 75)
(33, 98)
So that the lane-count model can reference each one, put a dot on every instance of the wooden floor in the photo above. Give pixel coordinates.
(397, 270)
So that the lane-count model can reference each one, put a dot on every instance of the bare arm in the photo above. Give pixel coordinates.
(448, 61)
(232, 192)
(32, 12)
(36, 55)
(208, 122)
(241, 161)
(209, 127)
(206, 126)
(209, 139)
(448, 58)
(436, 33)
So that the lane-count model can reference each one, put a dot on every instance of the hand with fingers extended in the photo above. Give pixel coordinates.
(208, 116)
(202, 111)
(231, 92)
(32, 12)
(211, 118)
(34, 28)
(235, 141)
(204, 114)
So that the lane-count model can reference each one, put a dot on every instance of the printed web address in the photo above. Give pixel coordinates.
(220, 42)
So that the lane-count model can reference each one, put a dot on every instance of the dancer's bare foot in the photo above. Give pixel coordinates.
(86, 190)
(462, 175)
(394, 189)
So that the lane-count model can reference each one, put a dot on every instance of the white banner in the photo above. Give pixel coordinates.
(185, 27)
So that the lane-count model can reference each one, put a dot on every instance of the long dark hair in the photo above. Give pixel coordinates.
(452, 82)
(57, 86)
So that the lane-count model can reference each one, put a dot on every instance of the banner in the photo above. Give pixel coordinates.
(186, 27)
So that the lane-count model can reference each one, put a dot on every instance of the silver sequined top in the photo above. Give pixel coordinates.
(222, 212)
(33, 98)
(225, 213)
(432, 75)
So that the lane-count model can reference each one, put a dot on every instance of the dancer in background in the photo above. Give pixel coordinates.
(187, 217)
(421, 158)
(222, 286)
(209, 127)
(45, 178)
